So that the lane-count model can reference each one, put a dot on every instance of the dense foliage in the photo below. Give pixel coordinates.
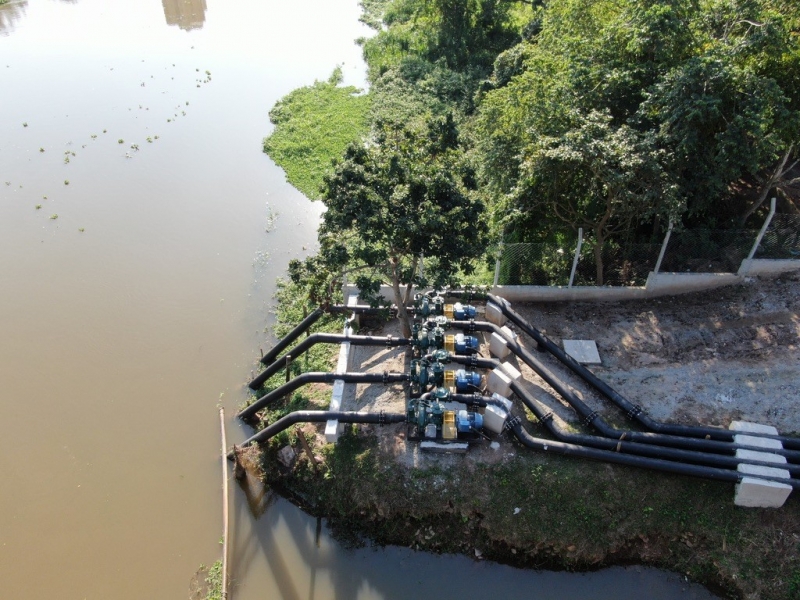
(616, 116)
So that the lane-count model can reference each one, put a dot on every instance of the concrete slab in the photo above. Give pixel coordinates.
(493, 314)
(453, 447)
(749, 427)
(584, 351)
(760, 493)
(760, 456)
(498, 346)
(498, 382)
(758, 442)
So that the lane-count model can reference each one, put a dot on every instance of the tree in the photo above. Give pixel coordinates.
(406, 195)
(601, 177)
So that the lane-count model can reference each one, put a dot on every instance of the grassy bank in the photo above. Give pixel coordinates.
(313, 126)
(574, 515)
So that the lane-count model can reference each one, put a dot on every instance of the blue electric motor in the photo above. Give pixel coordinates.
(468, 421)
(467, 382)
(463, 312)
(465, 344)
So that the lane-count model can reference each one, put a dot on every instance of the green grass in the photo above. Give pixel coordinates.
(313, 126)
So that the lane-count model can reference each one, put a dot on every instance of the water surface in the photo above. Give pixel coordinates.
(137, 265)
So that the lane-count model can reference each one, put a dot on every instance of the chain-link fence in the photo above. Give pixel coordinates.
(782, 238)
(621, 264)
(708, 250)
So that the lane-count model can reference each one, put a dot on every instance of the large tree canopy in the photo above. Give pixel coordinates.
(706, 91)
(404, 196)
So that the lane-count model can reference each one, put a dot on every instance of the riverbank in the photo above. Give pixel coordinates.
(524, 509)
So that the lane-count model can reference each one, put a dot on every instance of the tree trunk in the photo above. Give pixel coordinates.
(402, 313)
(776, 176)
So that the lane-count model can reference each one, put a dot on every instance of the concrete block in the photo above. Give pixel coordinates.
(494, 419)
(493, 314)
(453, 447)
(760, 456)
(333, 429)
(512, 372)
(584, 351)
(498, 346)
(748, 427)
(287, 456)
(758, 442)
(498, 382)
(352, 300)
(760, 493)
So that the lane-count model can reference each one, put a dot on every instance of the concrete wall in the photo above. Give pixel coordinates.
(658, 284)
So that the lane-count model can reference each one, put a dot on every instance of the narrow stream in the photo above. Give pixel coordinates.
(141, 232)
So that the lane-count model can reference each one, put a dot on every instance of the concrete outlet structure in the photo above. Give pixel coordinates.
(751, 491)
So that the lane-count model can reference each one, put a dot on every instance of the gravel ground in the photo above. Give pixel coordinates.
(706, 358)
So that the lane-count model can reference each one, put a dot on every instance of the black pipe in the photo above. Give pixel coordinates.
(320, 416)
(305, 378)
(631, 410)
(292, 335)
(591, 417)
(468, 399)
(715, 460)
(635, 461)
(324, 338)
(649, 450)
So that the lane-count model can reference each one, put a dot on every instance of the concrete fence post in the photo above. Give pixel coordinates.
(577, 256)
(763, 229)
(663, 247)
(497, 265)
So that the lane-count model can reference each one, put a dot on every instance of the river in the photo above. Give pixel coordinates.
(141, 232)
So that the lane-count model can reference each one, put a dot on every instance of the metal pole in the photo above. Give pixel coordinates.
(763, 229)
(663, 247)
(577, 256)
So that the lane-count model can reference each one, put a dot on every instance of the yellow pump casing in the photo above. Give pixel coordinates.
(449, 431)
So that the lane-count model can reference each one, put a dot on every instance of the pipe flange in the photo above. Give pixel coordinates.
(386, 378)
(472, 328)
(635, 411)
(473, 362)
(547, 417)
(512, 422)
(389, 341)
(381, 418)
(589, 418)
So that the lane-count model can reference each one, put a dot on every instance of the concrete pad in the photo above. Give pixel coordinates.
(760, 456)
(333, 429)
(759, 442)
(498, 382)
(512, 372)
(759, 493)
(584, 351)
(494, 419)
(493, 314)
(454, 447)
(748, 427)
(498, 346)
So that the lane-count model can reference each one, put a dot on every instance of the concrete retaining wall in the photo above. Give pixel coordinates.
(658, 284)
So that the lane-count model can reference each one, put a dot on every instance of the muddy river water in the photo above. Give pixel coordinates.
(141, 231)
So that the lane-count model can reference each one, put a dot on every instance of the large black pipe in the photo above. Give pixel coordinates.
(634, 461)
(699, 457)
(324, 338)
(305, 378)
(631, 410)
(674, 454)
(320, 416)
(591, 417)
(292, 335)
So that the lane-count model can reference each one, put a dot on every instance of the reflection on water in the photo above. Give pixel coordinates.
(186, 14)
(9, 14)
